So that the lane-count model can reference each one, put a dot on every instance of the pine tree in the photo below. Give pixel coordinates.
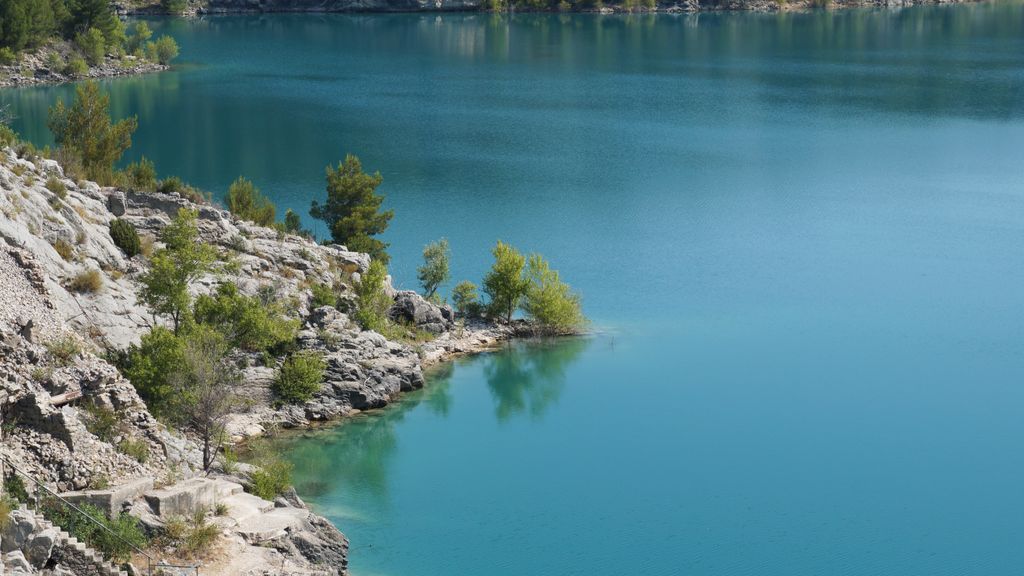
(352, 211)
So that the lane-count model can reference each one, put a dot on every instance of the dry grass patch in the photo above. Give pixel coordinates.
(86, 282)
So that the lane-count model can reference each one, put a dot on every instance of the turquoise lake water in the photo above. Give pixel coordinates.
(800, 238)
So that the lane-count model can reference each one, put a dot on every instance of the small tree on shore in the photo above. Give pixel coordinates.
(352, 210)
(466, 300)
(505, 284)
(435, 272)
(549, 301)
(373, 302)
(85, 129)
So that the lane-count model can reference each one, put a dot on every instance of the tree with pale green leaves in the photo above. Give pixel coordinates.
(434, 272)
(548, 301)
(505, 284)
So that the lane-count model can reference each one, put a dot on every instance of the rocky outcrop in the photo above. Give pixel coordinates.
(55, 385)
(411, 308)
(36, 67)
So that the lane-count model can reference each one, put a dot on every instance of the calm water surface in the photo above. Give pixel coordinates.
(801, 238)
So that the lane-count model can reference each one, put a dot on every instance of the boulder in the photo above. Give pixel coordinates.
(40, 547)
(17, 563)
(117, 203)
(20, 527)
(411, 308)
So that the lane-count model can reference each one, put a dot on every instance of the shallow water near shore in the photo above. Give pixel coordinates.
(799, 237)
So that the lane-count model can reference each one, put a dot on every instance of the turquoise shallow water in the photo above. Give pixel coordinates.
(799, 236)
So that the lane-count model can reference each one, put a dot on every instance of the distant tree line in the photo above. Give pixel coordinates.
(91, 27)
(567, 5)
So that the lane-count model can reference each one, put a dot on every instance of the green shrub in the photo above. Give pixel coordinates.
(125, 237)
(141, 175)
(466, 300)
(92, 44)
(175, 529)
(192, 537)
(150, 365)
(245, 321)
(54, 62)
(14, 487)
(7, 56)
(63, 349)
(8, 137)
(273, 475)
(115, 546)
(373, 302)
(300, 377)
(174, 185)
(76, 66)
(173, 6)
(245, 201)
(292, 222)
(136, 448)
(166, 50)
(101, 422)
(199, 539)
(64, 249)
(86, 282)
(170, 185)
(323, 295)
(56, 185)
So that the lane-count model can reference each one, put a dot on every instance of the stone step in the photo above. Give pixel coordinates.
(225, 488)
(272, 524)
(184, 498)
(243, 506)
(91, 556)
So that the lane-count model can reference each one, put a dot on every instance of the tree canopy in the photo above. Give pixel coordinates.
(352, 211)
(86, 130)
(435, 271)
(505, 284)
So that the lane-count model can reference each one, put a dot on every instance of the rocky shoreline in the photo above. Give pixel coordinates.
(34, 69)
(55, 341)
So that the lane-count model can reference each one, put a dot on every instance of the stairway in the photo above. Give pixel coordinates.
(67, 541)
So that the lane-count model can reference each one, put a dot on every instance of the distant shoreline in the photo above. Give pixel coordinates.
(215, 7)
(224, 7)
